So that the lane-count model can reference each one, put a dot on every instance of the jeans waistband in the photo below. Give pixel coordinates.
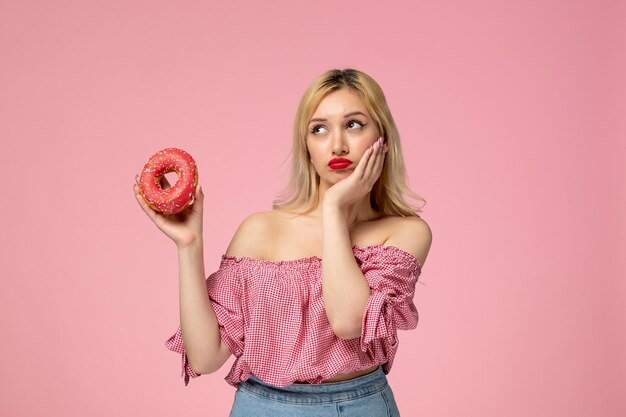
(326, 392)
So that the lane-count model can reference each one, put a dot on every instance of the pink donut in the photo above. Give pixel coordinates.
(182, 193)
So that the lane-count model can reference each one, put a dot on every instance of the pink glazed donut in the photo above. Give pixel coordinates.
(182, 193)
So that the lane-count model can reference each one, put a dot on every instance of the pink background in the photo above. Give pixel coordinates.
(512, 116)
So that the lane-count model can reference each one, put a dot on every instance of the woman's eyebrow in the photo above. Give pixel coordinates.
(318, 119)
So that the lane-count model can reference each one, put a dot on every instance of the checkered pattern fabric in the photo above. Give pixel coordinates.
(271, 316)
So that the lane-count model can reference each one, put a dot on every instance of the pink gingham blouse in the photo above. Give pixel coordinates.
(271, 316)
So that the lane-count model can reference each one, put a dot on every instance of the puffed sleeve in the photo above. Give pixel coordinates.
(391, 274)
(224, 290)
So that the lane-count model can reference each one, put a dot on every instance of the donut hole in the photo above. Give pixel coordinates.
(168, 179)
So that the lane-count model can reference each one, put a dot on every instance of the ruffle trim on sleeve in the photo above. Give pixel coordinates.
(224, 291)
(391, 274)
(175, 344)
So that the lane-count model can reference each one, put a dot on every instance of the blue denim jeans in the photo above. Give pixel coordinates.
(365, 396)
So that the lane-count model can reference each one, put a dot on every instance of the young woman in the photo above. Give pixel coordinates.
(309, 296)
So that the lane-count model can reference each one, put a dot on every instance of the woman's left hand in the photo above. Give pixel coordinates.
(360, 182)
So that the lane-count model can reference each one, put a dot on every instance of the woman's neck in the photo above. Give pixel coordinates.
(358, 212)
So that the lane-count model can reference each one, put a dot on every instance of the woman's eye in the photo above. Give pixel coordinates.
(353, 122)
(315, 128)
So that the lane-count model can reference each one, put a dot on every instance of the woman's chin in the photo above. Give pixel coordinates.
(341, 171)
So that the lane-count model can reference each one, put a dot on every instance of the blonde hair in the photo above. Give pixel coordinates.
(302, 191)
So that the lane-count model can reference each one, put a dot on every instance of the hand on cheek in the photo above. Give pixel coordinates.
(360, 182)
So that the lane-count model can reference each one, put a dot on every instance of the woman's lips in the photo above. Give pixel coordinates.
(339, 163)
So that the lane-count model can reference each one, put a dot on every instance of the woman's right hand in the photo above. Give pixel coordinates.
(185, 227)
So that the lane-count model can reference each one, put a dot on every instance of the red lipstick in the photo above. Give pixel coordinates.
(339, 163)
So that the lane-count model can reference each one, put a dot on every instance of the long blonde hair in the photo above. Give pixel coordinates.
(387, 195)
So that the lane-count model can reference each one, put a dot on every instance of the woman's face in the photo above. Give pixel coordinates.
(340, 127)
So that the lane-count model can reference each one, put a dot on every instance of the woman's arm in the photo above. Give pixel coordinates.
(199, 327)
(344, 287)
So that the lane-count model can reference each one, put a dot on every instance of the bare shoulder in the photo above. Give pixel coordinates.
(251, 235)
(413, 235)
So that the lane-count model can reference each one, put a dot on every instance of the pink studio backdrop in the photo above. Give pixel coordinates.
(513, 128)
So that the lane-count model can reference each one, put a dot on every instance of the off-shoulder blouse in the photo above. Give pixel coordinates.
(271, 316)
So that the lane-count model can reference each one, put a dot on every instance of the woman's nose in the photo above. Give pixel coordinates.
(338, 142)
